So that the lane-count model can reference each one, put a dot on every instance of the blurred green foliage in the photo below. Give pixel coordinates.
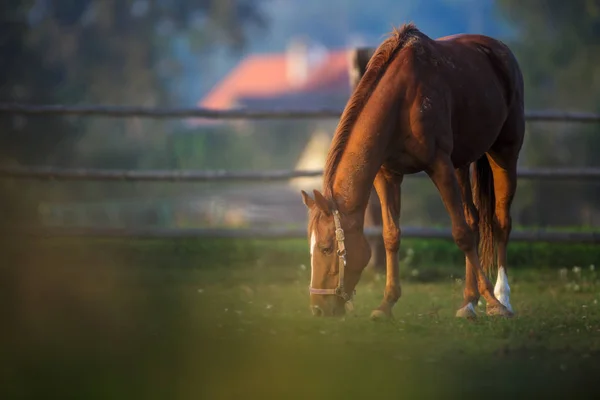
(558, 46)
(439, 255)
(117, 52)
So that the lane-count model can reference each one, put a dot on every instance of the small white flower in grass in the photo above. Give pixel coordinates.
(563, 272)
(200, 291)
(415, 272)
(303, 267)
(322, 332)
(480, 303)
(595, 301)
(592, 267)
(577, 270)
(269, 306)
(238, 312)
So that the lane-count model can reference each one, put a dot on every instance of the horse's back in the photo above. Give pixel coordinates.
(485, 86)
(498, 54)
(508, 73)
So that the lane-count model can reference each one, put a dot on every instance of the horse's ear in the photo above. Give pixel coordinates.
(308, 202)
(322, 202)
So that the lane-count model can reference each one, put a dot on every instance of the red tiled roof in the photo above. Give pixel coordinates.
(264, 76)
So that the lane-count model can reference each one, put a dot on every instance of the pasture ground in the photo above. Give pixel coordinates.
(129, 319)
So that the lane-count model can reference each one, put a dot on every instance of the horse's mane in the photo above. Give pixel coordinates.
(376, 67)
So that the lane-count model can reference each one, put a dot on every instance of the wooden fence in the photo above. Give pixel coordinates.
(83, 174)
(204, 176)
(163, 113)
(293, 233)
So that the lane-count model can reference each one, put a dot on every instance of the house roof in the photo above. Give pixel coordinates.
(262, 79)
(265, 75)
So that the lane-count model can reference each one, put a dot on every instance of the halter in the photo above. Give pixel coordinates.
(341, 253)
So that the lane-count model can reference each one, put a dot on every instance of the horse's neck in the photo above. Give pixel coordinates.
(355, 174)
(366, 146)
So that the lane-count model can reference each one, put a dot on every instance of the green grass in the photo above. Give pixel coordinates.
(214, 319)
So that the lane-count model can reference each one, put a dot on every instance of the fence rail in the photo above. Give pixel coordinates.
(51, 173)
(289, 233)
(195, 112)
(208, 176)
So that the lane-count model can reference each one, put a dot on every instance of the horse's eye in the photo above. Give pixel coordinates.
(326, 250)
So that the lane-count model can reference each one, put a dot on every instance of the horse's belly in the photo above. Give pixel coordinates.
(470, 146)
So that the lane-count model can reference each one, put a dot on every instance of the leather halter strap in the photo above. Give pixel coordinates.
(341, 253)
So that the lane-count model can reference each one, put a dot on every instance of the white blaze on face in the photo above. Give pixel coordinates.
(313, 243)
(502, 290)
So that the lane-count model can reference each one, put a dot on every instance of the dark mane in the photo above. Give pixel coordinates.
(375, 68)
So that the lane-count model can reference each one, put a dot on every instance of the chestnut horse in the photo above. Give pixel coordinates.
(422, 105)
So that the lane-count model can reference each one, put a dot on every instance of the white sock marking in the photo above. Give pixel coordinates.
(313, 243)
(502, 290)
(467, 311)
(471, 308)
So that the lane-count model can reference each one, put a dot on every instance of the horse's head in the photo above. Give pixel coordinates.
(339, 252)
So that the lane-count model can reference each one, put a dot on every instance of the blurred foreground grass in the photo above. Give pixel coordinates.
(127, 319)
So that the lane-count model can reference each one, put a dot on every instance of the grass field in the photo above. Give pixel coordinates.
(214, 320)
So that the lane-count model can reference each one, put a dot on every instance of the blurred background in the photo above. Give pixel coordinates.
(207, 318)
(260, 54)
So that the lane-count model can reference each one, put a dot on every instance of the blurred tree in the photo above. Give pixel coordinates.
(102, 51)
(558, 46)
(99, 52)
(26, 78)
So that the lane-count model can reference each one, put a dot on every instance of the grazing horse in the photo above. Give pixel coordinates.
(437, 106)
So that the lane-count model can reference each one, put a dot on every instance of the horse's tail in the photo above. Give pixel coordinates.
(485, 201)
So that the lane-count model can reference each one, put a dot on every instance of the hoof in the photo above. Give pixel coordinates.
(498, 311)
(467, 312)
(378, 315)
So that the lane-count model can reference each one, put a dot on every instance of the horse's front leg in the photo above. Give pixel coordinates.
(388, 189)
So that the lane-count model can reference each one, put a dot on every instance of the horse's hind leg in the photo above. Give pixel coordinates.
(503, 160)
(443, 176)
(471, 292)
